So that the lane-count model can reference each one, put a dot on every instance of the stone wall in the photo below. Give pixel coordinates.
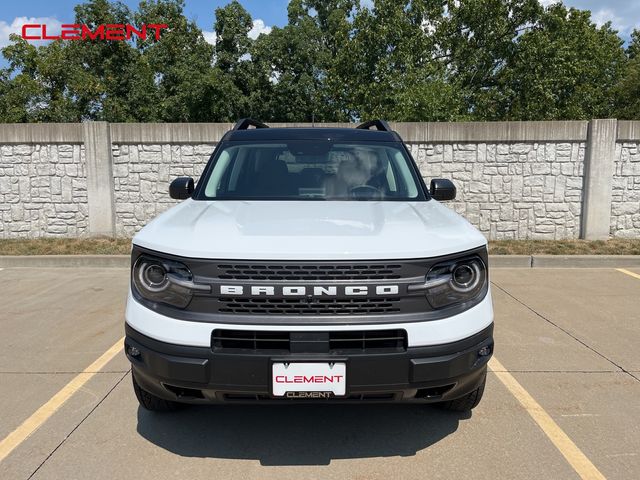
(509, 191)
(512, 190)
(43, 190)
(515, 180)
(141, 175)
(625, 201)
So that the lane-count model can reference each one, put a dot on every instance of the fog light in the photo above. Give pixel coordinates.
(133, 351)
(484, 351)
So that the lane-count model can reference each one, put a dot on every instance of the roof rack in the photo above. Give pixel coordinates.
(245, 123)
(380, 125)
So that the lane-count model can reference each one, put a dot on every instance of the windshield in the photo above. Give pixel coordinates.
(311, 170)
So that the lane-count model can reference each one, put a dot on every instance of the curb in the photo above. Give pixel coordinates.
(495, 261)
(509, 261)
(65, 261)
(585, 261)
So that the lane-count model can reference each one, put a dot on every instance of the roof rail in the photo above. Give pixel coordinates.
(245, 123)
(380, 125)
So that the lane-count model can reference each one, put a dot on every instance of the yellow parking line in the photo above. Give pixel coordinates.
(578, 460)
(35, 421)
(628, 272)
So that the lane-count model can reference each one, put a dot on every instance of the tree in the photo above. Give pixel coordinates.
(232, 27)
(112, 80)
(295, 64)
(233, 61)
(181, 64)
(334, 60)
(633, 50)
(627, 91)
(477, 40)
(392, 66)
(564, 67)
(35, 87)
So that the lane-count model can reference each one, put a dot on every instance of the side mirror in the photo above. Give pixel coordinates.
(442, 189)
(181, 188)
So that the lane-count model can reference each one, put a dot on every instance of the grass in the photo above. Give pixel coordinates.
(122, 246)
(66, 246)
(614, 246)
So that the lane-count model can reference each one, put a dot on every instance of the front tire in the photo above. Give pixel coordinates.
(466, 403)
(150, 402)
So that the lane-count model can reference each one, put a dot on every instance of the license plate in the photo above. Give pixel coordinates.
(290, 379)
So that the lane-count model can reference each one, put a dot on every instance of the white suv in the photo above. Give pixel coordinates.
(309, 265)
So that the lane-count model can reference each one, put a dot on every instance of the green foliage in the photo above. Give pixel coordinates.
(627, 91)
(112, 80)
(180, 63)
(564, 68)
(293, 64)
(634, 45)
(232, 26)
(335, 60)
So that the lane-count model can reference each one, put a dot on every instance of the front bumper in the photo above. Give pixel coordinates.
(200, 375)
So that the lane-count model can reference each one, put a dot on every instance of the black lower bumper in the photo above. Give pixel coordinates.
(201, 375)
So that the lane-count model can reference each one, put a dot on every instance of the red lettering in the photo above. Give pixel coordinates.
(115, 31)
(131, 30)
(48, 37)
(99, 33)
(30, 26)
(70, 32)
(157, 27)
(75, 31)
(311, 379)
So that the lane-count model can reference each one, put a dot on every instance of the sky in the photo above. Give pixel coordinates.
(624, 14)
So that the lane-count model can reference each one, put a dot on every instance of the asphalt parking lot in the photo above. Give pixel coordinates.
(562, 400)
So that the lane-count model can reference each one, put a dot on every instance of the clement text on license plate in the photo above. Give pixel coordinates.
(309, 377)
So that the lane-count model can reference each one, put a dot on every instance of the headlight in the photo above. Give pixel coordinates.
(164, 281)
(455, 281)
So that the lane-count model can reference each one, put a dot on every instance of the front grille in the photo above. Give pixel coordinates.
(310, 292)
(339, 342)
(302, 306)
(321, 272)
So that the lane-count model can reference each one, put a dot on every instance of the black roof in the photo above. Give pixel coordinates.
(363, 132)
(320, 133)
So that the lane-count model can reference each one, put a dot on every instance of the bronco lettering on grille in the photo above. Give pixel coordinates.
(303, 291)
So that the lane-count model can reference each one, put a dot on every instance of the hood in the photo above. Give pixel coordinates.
(309, 230)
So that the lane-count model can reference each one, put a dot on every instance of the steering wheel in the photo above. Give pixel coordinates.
(365, 191)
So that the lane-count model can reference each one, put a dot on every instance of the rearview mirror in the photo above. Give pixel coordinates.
(181, 188)
(442, 189)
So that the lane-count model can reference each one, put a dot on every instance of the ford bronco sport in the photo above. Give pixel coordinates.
(309, 265)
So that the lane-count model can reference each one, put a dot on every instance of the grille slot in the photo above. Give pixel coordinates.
(301, 306)
(368, 340)
(309, 272)
(250, 340)
(365, 341)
